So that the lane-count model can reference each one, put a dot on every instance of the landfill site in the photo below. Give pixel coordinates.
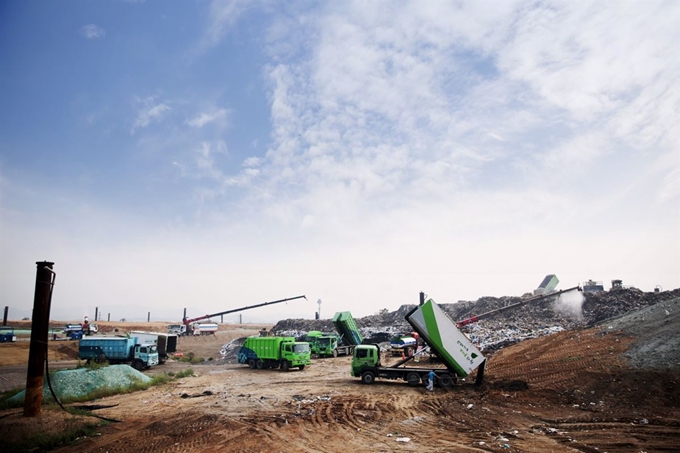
(565, 371)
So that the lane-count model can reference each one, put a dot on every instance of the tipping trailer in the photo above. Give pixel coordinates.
(458, 355)
(347, 328)
(166, 343)
(118, 350)
(188, 322)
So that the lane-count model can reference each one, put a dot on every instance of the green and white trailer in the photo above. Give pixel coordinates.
(274, 352)
(458, 355)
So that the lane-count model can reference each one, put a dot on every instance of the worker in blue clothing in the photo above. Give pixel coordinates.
(430, 381)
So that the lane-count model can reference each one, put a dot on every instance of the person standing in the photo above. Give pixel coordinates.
(430, 381)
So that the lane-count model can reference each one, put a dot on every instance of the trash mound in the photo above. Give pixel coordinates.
(535, 319)
(70, 385)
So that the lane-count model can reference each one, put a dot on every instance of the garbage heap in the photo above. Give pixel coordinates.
(532, 320)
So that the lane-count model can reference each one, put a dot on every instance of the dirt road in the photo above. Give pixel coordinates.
(568, 392)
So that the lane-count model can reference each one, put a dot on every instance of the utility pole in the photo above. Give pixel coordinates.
(44, 283)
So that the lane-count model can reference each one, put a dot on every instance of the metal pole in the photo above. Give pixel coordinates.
(38, 348)
(422, 298)
(4, 318)
(148, 317)
(96, 313)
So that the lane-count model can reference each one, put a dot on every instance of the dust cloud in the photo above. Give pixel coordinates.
(570, 304)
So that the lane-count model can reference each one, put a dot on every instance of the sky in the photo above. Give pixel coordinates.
(208, 156)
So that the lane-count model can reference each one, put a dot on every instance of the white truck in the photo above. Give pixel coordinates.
(166, 343)
(205, 328)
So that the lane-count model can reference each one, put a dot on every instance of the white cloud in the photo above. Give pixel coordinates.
(218, 116)
(92, 31)
(148, 112)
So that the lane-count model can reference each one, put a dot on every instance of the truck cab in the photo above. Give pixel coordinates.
(366, 357)
(146, 354)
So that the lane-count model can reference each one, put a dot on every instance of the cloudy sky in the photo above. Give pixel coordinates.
(213, 155)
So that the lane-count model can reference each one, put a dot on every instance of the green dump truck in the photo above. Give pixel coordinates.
(274, 352)
(118, 350)
(458, 356)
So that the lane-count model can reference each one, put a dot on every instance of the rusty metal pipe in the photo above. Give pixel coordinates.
(44, 283)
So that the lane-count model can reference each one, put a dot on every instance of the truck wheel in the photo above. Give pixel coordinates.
(335, 352)
(259, 364)
(301, 367)
(445, 380)
(413, 378)
(251, 363)
(285, 365)
(367, 377)
(138, 365)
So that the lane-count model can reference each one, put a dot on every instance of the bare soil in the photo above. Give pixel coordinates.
(572, 391)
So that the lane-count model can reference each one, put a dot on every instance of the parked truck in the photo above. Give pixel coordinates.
(7, 334)
(204, 328)
(118, 350)
(458, 356)
(165, 343)
(274, 352)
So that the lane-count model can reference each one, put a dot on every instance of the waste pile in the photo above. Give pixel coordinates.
(74, 385)
(572, 310)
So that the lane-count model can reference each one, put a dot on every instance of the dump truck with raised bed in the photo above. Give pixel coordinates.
(347, 328)
(274, 352)
(166, 343)
(118, 350)
(458, 356)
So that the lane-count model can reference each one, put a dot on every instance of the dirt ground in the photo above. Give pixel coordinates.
(569, 392)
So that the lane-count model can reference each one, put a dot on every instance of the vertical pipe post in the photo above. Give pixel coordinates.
(4, 318)
(148, 317)
(109, 317)
(422, 298)
(38, 348)
(96, 313)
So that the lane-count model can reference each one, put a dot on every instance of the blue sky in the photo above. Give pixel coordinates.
(211, 155)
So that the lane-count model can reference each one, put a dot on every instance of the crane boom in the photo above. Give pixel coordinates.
(474, 319)
(188, 321)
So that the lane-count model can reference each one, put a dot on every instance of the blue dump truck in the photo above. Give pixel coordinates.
(458, 356)
(118, 350)
(274, 352)
(7, 334)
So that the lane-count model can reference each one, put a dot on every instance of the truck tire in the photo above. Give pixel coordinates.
(413, 378)
(285, 365)
(335, 352)
(445, 380)
(259, 364)
(251, 363)
(138, 365)
(368, 377)
(301, 367)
